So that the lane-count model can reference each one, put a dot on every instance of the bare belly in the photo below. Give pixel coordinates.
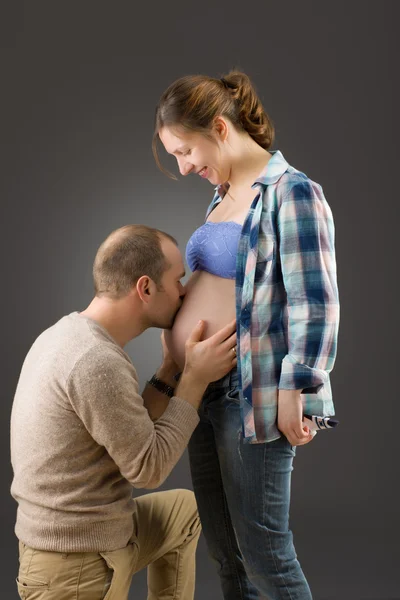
(209, 298)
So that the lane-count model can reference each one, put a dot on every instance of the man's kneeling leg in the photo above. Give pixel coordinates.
(167, 527)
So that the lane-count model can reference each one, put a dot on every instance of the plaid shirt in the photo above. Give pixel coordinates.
(287, 304)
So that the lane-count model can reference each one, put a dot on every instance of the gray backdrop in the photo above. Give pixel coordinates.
(80, 81)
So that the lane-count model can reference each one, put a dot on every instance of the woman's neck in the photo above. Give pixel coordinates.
(247, 163)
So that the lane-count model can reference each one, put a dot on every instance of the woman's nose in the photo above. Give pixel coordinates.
(184, 167)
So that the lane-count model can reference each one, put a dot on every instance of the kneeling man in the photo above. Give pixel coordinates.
(82, 435)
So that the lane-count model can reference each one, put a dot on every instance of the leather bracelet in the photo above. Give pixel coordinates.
(162, 387)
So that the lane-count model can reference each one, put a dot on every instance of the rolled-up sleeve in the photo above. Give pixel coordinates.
(308, 264)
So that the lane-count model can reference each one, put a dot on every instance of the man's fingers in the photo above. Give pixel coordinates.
(222, 334)
(230, 342)
(196, 332)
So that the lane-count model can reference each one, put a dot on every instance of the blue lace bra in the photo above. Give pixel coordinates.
(213, 248)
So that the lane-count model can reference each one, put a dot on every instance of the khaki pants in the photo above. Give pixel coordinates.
(166, 531)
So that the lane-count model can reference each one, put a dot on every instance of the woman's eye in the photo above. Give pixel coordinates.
(187, 153)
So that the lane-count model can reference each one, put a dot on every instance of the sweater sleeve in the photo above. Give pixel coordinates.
(307, 255)
(103, 391)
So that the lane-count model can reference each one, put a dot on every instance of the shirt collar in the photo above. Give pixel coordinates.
(273, 171)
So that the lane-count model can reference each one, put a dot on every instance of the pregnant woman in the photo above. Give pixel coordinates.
(264, 255)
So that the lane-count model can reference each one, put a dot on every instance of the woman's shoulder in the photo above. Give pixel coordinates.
(296, 184)
(293, 176)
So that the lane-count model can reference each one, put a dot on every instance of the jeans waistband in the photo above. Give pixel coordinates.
(229, 380)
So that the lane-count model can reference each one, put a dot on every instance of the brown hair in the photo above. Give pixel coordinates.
(126, 255)
(192, 102)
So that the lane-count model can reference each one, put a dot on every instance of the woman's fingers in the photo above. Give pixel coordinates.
(299, 440)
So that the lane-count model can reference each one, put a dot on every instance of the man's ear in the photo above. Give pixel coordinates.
(145, 287)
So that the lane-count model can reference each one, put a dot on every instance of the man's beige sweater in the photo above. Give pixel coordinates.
(81, 438)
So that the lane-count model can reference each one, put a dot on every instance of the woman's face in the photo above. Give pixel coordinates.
(196, 153)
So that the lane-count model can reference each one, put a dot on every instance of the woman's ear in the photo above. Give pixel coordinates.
(221, 129)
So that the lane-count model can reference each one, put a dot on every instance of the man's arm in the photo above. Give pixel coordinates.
(103, 391)
(155, 401)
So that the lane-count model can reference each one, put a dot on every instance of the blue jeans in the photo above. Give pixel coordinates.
(243, 495)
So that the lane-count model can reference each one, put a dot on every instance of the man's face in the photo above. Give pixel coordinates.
(171, 291)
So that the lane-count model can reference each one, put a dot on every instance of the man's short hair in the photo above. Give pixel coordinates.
(127, 254)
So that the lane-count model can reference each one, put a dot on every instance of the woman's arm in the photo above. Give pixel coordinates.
(307, 254)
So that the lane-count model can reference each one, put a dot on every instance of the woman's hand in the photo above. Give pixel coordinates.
(290, 418)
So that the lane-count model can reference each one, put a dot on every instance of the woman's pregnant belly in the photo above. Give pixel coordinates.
(207, 297)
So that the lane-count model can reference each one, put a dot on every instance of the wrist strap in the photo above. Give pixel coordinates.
(161, 386)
